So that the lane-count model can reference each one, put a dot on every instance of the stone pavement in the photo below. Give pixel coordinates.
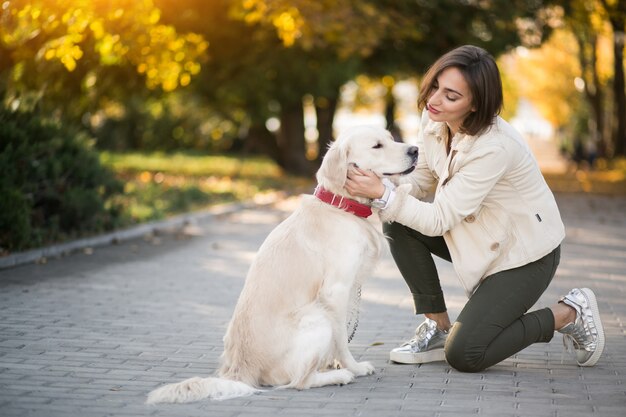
(92, 333)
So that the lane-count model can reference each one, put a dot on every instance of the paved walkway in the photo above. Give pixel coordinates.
(92, 333)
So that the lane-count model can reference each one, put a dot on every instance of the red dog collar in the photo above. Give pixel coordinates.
(346, 204)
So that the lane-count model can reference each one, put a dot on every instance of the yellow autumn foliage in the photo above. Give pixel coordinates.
(118, 31)
(352, 27)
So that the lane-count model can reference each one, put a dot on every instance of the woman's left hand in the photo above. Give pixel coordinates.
(361, 183)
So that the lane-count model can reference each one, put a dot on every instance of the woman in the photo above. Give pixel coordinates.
(492, 215)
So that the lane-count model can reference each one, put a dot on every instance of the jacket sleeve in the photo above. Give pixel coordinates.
(458, 198)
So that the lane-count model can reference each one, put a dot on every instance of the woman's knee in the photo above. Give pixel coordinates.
(394, 229)
(396, 235)
(462, 355)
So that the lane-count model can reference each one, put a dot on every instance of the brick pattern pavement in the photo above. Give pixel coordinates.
(92, 334)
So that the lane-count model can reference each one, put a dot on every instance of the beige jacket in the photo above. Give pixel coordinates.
(491, 204)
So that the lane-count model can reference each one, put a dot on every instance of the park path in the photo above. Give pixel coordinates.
(90, 334)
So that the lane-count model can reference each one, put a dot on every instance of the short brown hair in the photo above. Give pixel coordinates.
(483, 78)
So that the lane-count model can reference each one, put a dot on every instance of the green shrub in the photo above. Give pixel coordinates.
(52, 185)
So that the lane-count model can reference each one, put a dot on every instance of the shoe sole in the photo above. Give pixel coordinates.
(435, 355)
(595, 311)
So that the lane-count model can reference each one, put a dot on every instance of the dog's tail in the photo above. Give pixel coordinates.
(195, 389)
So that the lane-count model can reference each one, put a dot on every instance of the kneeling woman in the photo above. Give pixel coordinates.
(493, 216)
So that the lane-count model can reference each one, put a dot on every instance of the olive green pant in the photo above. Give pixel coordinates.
(494, 324)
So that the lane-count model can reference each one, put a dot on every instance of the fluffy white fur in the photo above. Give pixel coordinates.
(289, 324)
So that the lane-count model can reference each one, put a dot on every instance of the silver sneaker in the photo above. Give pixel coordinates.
(585, 335)
(426, 346)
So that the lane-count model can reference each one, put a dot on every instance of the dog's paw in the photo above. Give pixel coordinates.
(363, 368)
(343, 376)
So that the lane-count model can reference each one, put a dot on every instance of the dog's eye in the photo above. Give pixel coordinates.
(377, 146)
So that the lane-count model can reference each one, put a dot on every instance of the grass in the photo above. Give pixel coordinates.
(158, 185)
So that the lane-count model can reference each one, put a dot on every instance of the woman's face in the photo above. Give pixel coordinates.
(451, 99)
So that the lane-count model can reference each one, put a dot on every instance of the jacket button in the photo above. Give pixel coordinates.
(470, 218)
(495, 246)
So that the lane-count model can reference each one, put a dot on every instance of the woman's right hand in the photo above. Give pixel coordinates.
(362, 183)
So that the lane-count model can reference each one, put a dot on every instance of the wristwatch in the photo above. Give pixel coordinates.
(381, 203)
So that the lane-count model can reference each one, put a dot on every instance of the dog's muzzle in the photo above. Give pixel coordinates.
(413, 151)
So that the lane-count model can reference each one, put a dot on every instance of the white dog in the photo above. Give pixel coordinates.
(289, 324)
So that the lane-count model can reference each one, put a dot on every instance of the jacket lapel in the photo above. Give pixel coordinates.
(461, 144)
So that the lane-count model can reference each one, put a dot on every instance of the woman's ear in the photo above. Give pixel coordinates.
(334, 167)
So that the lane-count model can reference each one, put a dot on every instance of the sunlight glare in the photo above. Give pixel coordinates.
(579, 83)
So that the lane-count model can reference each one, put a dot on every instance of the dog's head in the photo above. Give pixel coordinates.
(369, 148)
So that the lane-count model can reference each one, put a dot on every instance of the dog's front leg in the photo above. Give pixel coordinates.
(336, 298)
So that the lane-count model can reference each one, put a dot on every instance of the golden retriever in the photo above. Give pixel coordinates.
(289, 324)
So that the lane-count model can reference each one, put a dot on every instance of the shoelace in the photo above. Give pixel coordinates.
(568, 347)
(570, 341)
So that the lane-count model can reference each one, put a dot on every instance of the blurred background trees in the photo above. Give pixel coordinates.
(270, 77)
(164, 74)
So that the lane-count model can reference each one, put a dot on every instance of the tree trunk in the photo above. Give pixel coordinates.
(325, 110)
(261, 141)
(390, 116)
(597, 103)
(619, 89)
(593, 88)
(616, 11)
(291, 142)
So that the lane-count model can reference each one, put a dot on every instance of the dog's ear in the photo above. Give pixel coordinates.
(334, 167)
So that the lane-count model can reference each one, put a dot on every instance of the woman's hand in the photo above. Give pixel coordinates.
(362, 183)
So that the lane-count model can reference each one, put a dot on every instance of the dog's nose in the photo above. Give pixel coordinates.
(413, 151)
